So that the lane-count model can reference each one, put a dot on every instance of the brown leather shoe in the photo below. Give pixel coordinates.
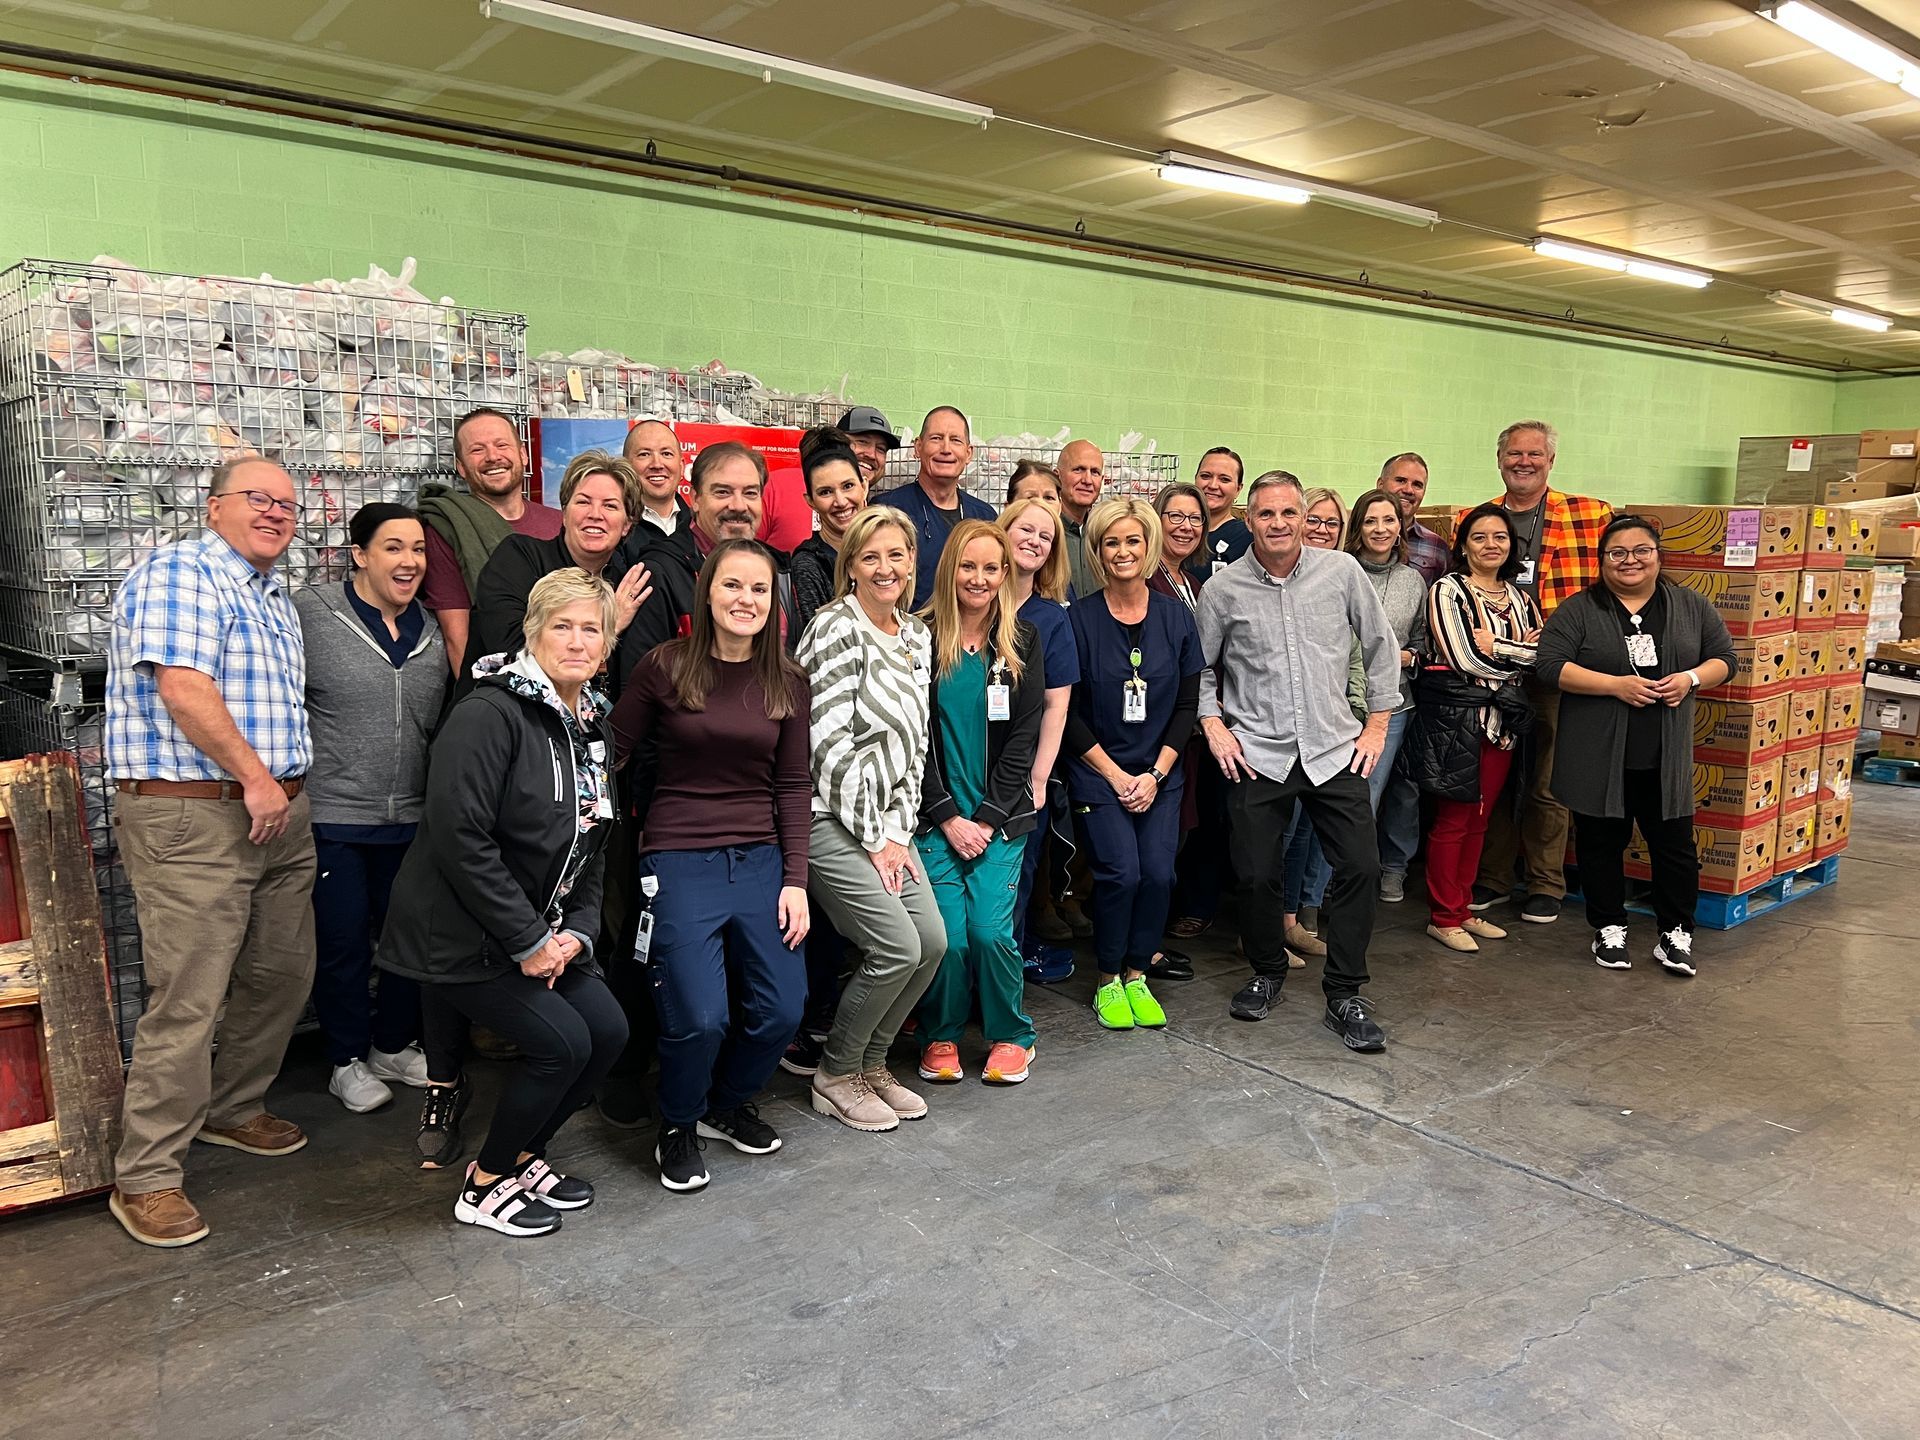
(263, 1135)
(165, 1218)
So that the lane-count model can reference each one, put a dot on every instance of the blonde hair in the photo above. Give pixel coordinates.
(599, 462)
(860, 530)
(1051, 579)
(1311, 498)
(942, 610)
(1109, 513)
(553, 593)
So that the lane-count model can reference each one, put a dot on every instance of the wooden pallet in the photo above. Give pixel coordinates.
(1723, 912)
(60, 1076)
(1888, 770)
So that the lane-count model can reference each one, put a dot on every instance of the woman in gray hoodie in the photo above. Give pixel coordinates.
(376, 681)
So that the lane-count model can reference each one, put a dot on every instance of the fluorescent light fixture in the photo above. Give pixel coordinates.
(1839, 314)
(1842, 41)
(694, 50)
(1620, 264)
(1286, 188)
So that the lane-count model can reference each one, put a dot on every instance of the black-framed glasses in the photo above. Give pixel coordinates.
(1175, 520)
(1620, 555)
(1317, 522)
(266, 504)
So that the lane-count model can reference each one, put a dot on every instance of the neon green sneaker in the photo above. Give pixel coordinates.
(1146, 1009)
(1111, 1005)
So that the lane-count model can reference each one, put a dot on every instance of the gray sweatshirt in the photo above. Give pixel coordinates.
(1404, 594)
(370, 722)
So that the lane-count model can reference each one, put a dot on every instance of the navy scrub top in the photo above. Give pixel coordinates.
(1057, 646)
(1169, 652)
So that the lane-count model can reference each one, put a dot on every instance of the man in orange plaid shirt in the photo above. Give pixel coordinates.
(1558, 537)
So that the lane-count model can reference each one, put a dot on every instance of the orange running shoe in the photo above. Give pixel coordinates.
(1007, 1063)
(940, 1063)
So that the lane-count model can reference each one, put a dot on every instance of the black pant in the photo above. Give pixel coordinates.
(1601, 841)
(1342, 814)
(1205, 866)
(568, 1038)
(621, 902)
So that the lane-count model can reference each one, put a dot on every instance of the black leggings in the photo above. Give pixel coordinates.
(568, 1038)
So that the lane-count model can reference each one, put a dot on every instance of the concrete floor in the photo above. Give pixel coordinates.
(1565, 1203)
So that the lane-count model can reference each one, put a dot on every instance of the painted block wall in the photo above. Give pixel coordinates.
(1876, 404)
(1023, 337)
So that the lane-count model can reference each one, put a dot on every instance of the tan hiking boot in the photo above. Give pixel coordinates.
(897, 1098)
(162, 1218)
(851, 1101)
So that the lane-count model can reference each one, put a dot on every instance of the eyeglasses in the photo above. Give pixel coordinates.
(266, 504)
(1620, 556)
(1180, 522)
(1317, 522)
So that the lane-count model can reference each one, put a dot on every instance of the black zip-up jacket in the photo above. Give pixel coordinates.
(1007, 806)
(1443, 747)
(476, 889)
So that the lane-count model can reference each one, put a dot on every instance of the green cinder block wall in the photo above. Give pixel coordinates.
(1023, 337)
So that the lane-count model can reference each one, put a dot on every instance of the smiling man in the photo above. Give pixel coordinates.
(653, 450)
(208, 746)
(1404, 477)
(934, 501)
(1558, 537)
(1083, 474)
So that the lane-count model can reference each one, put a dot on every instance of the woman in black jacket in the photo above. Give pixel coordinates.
(1629, 652)
(976, 801)
(837, 491)
(498, 901)
(1482, 628)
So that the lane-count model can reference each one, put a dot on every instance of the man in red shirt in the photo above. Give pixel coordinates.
(465, 527)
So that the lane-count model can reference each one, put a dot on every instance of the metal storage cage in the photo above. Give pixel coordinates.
(604, 385)
(41, 713)
(121, 389)
(1139, 474)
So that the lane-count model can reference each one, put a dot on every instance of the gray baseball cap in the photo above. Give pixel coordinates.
(865, 420)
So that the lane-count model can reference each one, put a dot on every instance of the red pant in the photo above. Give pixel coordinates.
(1453, 844)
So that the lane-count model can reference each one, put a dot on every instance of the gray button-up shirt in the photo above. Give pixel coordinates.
(1278, 652)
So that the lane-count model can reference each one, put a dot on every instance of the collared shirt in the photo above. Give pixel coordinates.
(934, 525)
(200, 606)
(1075, 538)
(412, 623)
(1568, 545)
(1428, 553)
(1279, 652)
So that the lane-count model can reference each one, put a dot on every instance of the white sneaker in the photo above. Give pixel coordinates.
(408, 1066)
(356, 1087)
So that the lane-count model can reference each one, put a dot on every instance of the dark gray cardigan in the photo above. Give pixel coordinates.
(1589, 753)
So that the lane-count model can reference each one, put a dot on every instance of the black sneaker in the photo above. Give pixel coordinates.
(1674, 951)
(1256, 998)
(803, 1055)
(677, 1153)
(742, 1128)
(505, 1207)
(623, 1102)
(562, 1192)
(1350, 1021)
(439, 1139)
(1540, 909)
(1170, 965)
(1610, 947)
(1485, 897)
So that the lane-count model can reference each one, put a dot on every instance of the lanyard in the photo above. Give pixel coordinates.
(1182, 586)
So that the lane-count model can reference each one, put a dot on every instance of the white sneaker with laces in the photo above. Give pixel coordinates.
(408, 1066)
(357, 1088)
(1674, 950)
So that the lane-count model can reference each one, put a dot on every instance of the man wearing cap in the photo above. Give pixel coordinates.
(871, 437)
(934, 501)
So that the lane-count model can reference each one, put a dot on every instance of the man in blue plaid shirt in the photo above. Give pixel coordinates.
(207, 744)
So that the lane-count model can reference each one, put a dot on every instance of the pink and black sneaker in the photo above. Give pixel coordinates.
(505, 1206)
(561, 1192)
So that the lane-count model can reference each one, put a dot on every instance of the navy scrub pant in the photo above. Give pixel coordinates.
(350, 892)
(1132, 858)
(716, 952)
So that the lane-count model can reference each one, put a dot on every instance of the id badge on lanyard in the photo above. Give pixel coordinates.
(999, 695)
(1133, 708)
(643, 935)
(1525, 578)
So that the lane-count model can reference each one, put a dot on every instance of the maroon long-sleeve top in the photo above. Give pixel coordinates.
(726, 775)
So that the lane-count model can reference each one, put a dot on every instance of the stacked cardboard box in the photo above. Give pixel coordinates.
(1773, 746)
(1892, 699)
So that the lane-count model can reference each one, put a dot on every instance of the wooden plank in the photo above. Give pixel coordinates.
(19, 973)
(25, 1141)
(31, 1184)
(42, 794)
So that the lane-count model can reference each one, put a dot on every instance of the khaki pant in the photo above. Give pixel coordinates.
(222, 920)
(1544, 821)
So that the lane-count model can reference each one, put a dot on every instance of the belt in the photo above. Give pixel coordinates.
(202, 789)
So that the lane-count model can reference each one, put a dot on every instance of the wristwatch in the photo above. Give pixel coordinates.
(1158, 778)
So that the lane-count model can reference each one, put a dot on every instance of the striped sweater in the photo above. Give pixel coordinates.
(869, 720)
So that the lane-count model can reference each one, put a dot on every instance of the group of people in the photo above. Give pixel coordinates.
(616, 783)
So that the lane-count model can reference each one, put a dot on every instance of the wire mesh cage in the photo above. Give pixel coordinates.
(122, 389)
(43, 713)
(1139, 474)
(606, 385)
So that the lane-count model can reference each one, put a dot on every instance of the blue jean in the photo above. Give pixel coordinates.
(350, 892)
(1396, 800)
(1307, 870)
(717, 948)
(1132, 861)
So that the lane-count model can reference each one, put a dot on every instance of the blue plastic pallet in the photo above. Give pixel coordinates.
(1886, 770)
(1723, 912)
